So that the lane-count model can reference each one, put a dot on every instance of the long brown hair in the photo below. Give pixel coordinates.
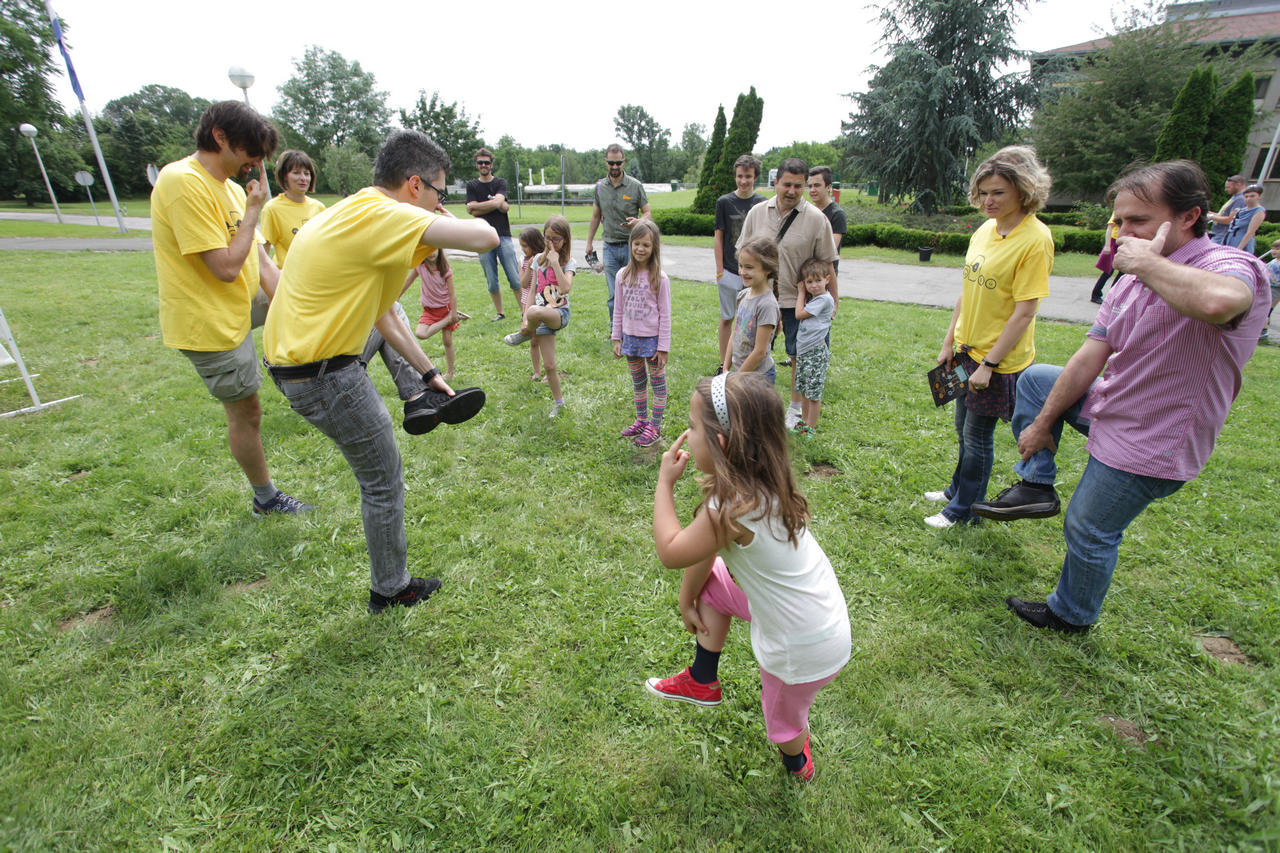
(752, 471)
(653, 268)
(557, 224)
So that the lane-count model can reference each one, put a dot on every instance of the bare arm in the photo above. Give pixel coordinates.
(1192, 292)
(596, 216)
(1070, 386)
(833, 286)
(802, 298)
(474, 235)
(268, 273)
(1023, 313)
(498, 202)
(764, 334)
(679, 547)
(949, 342)
(718, 249)
(225, 264)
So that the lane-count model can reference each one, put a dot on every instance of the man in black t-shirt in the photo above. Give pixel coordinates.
(731, 210)
(819, 187)
(487, 200)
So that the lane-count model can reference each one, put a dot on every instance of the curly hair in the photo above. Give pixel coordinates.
(1018, 165)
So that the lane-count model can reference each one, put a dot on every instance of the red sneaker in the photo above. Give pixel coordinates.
(683, 688)
(806, 772)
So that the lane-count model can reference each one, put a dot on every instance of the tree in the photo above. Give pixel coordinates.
(710, 159)
(693, 140)
(646, 138)
(346, 168)
(1182, 136)
(740, 139)
(27, 67)
(330, 102)
(813, 153)
(939, 97)
(156, 125)
(1112, 111)
(448, 124)
(1228, 135)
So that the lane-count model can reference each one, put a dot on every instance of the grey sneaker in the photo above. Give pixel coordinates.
(515, 339)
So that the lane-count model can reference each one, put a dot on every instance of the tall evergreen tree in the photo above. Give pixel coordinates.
(940, 96)
(744, 129)
(1183, 134)
(704, 202)
(1227, 135)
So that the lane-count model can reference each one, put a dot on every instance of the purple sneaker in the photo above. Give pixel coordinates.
(635, 429)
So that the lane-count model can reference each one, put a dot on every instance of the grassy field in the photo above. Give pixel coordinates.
(21, 228)
(177, 676)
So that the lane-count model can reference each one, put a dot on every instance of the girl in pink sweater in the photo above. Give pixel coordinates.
(642, 329)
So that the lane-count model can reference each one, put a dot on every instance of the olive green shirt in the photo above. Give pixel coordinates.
(617, 203)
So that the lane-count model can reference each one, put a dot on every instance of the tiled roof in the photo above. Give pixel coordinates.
(1260, 25)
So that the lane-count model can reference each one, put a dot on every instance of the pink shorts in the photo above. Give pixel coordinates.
(435, 315)
(786, 706)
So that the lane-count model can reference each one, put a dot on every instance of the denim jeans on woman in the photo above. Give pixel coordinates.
(976, 434)
(345, 406)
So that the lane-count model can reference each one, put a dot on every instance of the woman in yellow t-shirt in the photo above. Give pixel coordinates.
(992, 331)
(285, 214)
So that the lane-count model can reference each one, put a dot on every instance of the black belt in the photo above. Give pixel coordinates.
(311, 369)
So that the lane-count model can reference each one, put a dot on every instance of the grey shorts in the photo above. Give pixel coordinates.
(229, 375)
(728, 286)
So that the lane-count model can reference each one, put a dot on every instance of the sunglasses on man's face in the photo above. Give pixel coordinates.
(484, 162)
(615, 162)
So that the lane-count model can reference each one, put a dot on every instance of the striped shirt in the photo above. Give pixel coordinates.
(1170, 380)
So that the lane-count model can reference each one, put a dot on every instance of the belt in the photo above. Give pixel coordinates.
(310, 370)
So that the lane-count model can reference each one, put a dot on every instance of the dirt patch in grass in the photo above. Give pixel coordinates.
(89, 362)
(648, 455)
(86, 620)
(1125, 730)
(823, 471)
(242, 587)
(1224, 650)
(78, 475)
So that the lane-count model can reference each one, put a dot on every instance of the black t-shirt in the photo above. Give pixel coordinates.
(478, 190)
(839, 224)
(730, 213)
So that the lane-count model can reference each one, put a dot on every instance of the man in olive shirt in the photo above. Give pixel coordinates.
(802, 233)
(620, 201)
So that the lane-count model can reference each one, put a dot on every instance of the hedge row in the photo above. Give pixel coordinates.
(685, 223)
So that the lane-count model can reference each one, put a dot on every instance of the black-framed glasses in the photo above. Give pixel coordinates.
(441, 193)
(615, 162)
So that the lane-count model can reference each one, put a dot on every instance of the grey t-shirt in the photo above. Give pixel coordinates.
(813, 330)
(730, 211)
(753, 312)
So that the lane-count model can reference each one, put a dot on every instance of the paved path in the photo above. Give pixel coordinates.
(921, 285)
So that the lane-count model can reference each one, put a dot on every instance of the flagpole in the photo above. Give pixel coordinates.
(84, 112)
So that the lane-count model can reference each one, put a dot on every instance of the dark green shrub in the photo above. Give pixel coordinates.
(685, 223)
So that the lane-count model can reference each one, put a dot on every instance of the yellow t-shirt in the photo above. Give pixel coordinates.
(998, 272)
(349, 264)
(193, 212)
(282, 217)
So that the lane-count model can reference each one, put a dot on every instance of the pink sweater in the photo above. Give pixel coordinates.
(641, 313)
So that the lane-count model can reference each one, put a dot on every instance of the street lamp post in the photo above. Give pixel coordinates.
(29, 131)
(241, 79)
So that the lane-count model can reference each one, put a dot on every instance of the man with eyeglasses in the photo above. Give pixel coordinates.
(619, 202)
(346, 271)
(487, 200)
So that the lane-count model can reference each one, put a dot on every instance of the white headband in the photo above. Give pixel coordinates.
(718, 400)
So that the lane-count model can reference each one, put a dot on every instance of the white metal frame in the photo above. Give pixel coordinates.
(9, 345)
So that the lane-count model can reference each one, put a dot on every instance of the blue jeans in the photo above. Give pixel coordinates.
(976, 434)
(1104, 503)
(616, 256)
(345, 406)
(506, 252)
(1033, 389)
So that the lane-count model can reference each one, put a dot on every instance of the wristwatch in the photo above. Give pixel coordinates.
(430, 374)
(985, 363)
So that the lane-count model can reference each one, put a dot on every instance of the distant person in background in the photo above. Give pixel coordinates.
(731, 211)
(1106, 260)
(487, 200)
(209, 265)
(1241, 231)
(620, 202)
(819, 186)
(283, 215)
(1235, 187)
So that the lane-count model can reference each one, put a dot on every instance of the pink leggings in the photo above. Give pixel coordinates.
(786, 706)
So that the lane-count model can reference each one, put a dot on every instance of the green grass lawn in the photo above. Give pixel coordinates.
(178, 676)
(21, 228)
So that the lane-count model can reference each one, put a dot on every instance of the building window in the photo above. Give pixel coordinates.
(1254, 174)
(1260, 83)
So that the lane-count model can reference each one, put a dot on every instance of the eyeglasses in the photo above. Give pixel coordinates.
(615, 162)
(440, 191)
(484, 162)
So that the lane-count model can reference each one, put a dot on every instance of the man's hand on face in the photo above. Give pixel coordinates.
(1133, 252)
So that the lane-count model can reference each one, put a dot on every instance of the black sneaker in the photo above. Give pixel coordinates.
(422, 414)
(1022, 500)
(419, 589)
(281, 504)
(1038, 613)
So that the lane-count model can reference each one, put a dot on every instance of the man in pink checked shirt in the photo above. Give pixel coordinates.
(1169, 341)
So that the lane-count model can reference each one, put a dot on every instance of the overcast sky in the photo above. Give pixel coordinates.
(542, 76)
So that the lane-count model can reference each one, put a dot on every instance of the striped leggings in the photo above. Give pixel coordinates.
(640, 385)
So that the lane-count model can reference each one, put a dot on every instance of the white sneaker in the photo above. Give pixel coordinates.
(936, 497)
(793, 417)
(939, 521)
(557, 408)
(515, 339)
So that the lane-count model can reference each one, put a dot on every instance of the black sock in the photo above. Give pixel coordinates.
(792, 762)
(706, 665)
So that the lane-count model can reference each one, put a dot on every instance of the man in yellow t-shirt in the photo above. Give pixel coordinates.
(209, 265)
(346, 271)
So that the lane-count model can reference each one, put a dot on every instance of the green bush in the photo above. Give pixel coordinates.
(1262, 244)
(685, 223)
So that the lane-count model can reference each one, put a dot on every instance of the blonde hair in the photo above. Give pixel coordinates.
(652, 267)
(1018, 165)
(752, 470)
